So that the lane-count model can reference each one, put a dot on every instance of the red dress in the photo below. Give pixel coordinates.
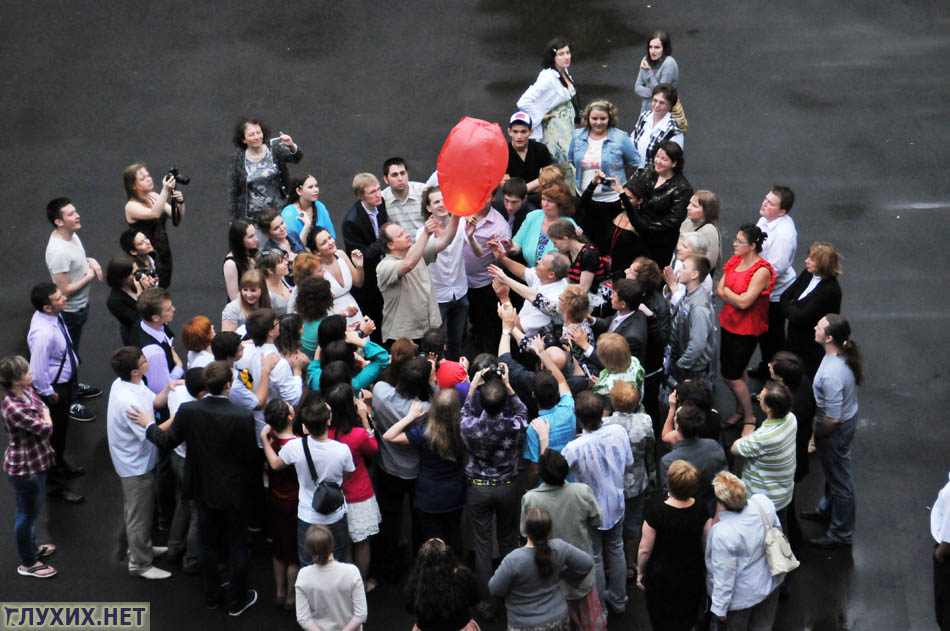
(283, 513)
(755, 319)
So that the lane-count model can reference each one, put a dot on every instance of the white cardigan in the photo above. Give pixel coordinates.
(543, 96)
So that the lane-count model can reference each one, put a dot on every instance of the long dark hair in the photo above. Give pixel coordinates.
(550, 52)
(438, 585)
(664, 38)
(236, 233)
(288, 340)
(537, 525)
(442, 426)
(345, 416)
(292, 195)
(413, 380)
(839, 329)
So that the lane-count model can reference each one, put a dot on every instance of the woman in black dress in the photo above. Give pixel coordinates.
(671, 569)
(148, 212)
(123, 297)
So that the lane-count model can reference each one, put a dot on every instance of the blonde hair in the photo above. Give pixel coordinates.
(826, 259)
(683, 480)
(601, 105)
(549, 175)
(576, 304)
(305, 264)
(129, 177)
(613, 351)
(730, 491)
(624, 397)
(361, 181)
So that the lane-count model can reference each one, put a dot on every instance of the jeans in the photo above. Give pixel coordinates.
(29, 499)
(454, 318)
(183, 534)
(138, 494)
(74, 321)
(341, 541)
(608, 550)
(838, 500)
(484, 503)
(634, 507)
(217, 528)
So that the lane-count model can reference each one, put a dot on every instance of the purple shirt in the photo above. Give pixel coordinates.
(492, 226)
(494, 443)
(159, 373)
(47, 352)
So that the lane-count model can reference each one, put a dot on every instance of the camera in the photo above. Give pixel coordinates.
(608, 181)
(495, 369)
(139, 273)
(184, 180)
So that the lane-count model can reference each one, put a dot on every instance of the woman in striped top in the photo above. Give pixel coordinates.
(769, 451)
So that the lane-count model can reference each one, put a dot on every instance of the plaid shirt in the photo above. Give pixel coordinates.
(29, 450)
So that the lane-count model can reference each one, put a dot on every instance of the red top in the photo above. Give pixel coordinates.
(283, 483)
(755, 319)
(28, 446)
(449, 374)
(358, 487)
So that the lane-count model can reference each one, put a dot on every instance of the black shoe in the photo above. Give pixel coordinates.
(813, 515)
(74, 472)
(79, 412)
(68, 496)
(251, 599)
(827, 543)
(85, 391)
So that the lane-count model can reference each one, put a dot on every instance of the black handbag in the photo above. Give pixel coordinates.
(328, 496)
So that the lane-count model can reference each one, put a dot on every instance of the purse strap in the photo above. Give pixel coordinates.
(765, 521)
(306, 453)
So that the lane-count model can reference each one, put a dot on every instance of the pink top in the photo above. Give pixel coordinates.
(358, 487)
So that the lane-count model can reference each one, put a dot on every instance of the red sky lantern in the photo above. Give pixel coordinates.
(471, 164)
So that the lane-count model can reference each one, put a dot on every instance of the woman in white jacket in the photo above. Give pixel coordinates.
(549, 103)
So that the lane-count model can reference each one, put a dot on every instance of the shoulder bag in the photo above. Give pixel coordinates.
(328, 496)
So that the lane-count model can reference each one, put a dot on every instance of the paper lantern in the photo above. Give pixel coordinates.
(471, 164)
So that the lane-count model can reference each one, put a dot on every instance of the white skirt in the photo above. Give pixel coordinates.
(362, 519)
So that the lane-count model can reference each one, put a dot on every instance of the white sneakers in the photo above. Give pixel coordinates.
(154, 573)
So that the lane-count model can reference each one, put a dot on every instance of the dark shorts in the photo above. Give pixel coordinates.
(735, 351)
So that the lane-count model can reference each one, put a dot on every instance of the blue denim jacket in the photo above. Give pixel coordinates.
(618, 152)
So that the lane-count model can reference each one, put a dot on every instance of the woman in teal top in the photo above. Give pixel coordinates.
(532, 240)
(304, 212)
(363, 377)
(314, 300)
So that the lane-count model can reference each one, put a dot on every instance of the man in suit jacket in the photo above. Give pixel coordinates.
(628, 322)
(219, 468)
(361, 227)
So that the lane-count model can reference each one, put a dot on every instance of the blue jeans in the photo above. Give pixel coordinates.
(838, 501)
(29, 491)
(74, 321)
(610, 566)
(341, 541)
(454, 318)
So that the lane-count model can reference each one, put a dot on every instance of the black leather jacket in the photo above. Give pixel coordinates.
(665, 209)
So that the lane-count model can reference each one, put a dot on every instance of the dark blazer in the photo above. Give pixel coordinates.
(358, 234)
(804, 314)
(633, 329)
(223, 456)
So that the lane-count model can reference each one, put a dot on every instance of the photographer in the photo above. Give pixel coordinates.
(127, 282)
(147, 212)
(493, 425)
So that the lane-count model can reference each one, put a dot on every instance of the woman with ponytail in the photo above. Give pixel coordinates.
(529, 577)
(836, 397)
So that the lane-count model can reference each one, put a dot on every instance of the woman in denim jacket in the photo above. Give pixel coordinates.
(601, 154)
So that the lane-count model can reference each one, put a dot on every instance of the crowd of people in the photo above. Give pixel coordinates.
(541, 371)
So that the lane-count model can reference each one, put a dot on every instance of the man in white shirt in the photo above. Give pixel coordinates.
(940, 529)
(134, 457)
(403, 198)
(73, 272)
(285, 380)
(549, 279)
(779, 250)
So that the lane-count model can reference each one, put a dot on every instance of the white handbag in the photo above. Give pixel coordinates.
(778, 551)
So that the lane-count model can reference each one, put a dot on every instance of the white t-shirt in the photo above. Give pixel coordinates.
(532, 318)
(590, 164)
(132, 453)
(69, 257)
(331, 460)
(175, 398)
(940, 516)
(449, 281)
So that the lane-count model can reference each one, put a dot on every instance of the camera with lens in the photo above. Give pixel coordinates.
(151, 273)
(184, 180)
(495, 369)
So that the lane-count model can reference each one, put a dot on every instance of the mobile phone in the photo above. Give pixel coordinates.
(275, 141)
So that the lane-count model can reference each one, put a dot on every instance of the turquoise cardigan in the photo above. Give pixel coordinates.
(528, 235)
(378, 360)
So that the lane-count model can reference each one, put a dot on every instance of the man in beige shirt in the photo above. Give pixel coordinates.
(409, 303)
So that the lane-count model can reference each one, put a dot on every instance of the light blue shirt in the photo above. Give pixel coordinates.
(563, 428)
(599, 460)
(737, 573)
(289, 215)
(836, 394)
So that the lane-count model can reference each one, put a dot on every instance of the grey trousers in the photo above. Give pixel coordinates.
(756, 618)
(138, 494)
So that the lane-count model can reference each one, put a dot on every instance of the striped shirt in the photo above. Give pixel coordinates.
(770, 459)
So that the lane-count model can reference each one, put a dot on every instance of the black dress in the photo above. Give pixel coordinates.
(125, 309)
(675, 577)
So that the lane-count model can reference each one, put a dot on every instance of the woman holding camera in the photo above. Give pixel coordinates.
(602, 155)
(127, 282)
(259, 178)
(147, 212)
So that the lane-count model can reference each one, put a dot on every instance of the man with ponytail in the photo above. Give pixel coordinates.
(836, 397)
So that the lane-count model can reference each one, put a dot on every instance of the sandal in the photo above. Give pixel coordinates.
(41, 570)
(45, 550)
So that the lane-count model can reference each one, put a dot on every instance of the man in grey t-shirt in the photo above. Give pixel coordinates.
(73, 272)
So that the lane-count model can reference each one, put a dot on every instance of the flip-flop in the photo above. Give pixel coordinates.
(36, 570)
(45, 550)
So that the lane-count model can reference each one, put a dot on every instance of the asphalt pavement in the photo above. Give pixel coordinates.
(844, 102)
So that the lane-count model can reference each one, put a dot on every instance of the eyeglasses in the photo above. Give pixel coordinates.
(737, 242)
(274, 251)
